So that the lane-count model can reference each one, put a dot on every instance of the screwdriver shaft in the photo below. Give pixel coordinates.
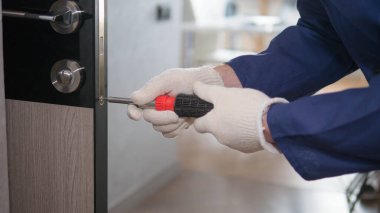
(128, 101)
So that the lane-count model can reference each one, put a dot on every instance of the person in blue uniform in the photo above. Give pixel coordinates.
(264, 102)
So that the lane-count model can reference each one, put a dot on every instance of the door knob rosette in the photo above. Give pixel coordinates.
(67, 76)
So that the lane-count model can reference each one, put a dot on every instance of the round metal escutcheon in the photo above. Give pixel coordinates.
(73, 19)
(67, 76)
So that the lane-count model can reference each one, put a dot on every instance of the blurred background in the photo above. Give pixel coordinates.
(151, 174)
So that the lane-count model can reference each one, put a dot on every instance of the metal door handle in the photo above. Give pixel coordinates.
(64, 16)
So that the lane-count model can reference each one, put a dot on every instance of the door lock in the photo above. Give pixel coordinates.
(67, 76)
(65, 16)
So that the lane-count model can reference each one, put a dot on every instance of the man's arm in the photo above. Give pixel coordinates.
(299, 61)
(331, 134)
(228, 76)
(324, 135)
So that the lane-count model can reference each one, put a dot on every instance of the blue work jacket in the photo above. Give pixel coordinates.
(331, 134)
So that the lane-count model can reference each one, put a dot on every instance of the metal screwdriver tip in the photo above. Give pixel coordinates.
(119, 100)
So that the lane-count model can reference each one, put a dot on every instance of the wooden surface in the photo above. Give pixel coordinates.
(50, 152)
(4, 195)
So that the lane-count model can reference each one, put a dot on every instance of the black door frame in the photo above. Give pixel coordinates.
(101, 145)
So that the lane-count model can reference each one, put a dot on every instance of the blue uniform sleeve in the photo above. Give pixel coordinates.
(325, 135)
(331, 134)
(299, 61)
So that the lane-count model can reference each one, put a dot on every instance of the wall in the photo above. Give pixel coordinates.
(139, 48)
(4, 192)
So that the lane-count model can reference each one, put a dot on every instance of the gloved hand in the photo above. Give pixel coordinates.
(171, 82)
(236, 120)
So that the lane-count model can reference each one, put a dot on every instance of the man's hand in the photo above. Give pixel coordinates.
(236, 120)
(171, 82)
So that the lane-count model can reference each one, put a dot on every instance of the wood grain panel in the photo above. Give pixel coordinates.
(4, 193)
(50, 152)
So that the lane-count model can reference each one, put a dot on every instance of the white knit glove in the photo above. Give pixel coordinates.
(236, 120)
(171, 82)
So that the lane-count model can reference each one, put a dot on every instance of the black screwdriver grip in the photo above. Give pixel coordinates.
(191, 106)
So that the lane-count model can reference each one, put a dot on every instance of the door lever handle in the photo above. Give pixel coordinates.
(64, 16)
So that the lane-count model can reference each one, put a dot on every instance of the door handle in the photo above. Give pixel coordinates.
(64, 16)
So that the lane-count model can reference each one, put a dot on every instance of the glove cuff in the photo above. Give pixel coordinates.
(208, 75)
(265, 144)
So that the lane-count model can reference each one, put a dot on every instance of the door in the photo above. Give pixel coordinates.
(54, 71)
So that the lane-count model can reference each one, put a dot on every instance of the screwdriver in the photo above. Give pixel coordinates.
(183, 105)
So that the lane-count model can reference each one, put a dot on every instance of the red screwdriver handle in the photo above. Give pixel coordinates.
(164, 103)
(184, 105)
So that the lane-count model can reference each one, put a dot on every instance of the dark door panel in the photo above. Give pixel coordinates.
(32, 47)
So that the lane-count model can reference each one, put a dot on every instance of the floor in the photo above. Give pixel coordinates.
(202, 192)
(217, 179)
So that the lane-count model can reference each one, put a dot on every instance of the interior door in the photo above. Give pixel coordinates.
(56, 125)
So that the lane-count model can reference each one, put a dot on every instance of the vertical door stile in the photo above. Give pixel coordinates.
(101, 127)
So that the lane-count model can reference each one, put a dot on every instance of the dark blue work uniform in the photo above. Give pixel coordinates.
(332, 134)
